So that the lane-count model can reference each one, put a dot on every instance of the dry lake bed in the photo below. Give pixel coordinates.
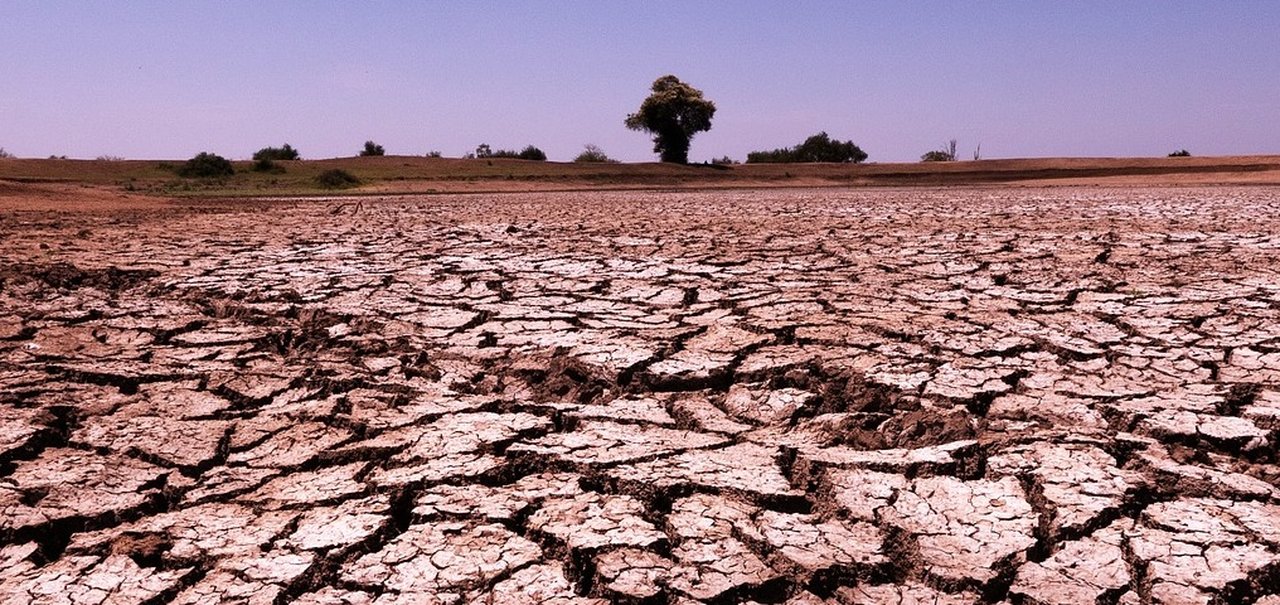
(826, 396)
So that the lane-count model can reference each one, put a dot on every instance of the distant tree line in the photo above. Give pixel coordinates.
(484, 151)
(817, 148)
(673, 113)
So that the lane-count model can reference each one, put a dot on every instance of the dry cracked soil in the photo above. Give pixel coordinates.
(839, 397)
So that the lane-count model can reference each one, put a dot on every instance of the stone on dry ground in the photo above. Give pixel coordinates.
(811, 397)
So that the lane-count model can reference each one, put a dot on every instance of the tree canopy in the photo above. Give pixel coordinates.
(673, 113)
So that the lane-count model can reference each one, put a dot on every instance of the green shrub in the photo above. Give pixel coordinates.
(946, 154)
(372, 149)
(337, 179)
(206, 165)
(817, 148)
(276, 153)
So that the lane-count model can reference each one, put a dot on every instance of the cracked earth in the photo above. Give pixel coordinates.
(1025, 396)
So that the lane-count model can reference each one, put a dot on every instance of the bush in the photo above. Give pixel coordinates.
(817, 148)
(434, 154)
(268, 165)
(946, 154)
(372, 149)
(109, 158)
(5, 154)
(724, 161)
(1181, 153)
(337, 179)
(206, 165)
(592, 153)
(276, 153)
(484, 151)
(532, 153)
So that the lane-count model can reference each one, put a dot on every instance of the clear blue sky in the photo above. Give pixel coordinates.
(164, 79)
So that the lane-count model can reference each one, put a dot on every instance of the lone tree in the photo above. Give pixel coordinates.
(673, 113)
(372, 149)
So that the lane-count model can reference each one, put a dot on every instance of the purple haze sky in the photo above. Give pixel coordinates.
(163, 79)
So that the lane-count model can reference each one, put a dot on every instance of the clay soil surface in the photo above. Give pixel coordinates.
(803, 396)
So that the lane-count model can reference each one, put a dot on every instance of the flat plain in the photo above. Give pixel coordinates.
(803, 396)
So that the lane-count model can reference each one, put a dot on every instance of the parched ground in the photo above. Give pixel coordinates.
(810, 397)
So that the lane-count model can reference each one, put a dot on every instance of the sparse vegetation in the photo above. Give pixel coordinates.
(268, 165)
(285, 152)
(724, 161)
(946, 154)
(109, 158)
(416, 174)
(372, 149)
(206, 165)
(434, 154)
(5, 154)
(936, 156)
(484, 151)
(1181, 153)
(817, 148)
(337, 179)
(673, 113)
(593, 153)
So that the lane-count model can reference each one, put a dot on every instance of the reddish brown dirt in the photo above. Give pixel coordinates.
(806, 396)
